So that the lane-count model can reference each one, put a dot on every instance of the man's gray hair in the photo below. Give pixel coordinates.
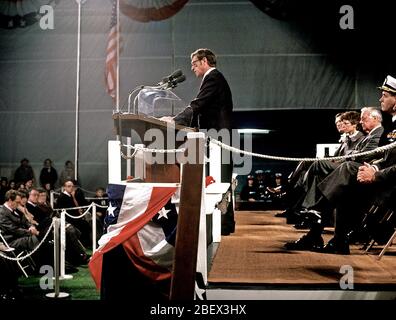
(374, 112)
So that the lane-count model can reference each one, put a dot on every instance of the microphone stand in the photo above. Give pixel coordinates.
(162, 86)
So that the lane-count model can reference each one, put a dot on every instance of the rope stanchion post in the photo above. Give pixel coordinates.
(129, 160)
(56, 294)
(93, 227)
(63, 275)
(140, 164)
(52, 198)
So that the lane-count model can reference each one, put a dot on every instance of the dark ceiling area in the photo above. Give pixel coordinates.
(367, 44)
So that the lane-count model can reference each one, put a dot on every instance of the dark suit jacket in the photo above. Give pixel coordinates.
(386, 175)
(343, 179)
(389, 157)
(66, 201)
(348, 146)
(369, 142)
(13, 225)
(42, 217)
(212, 108)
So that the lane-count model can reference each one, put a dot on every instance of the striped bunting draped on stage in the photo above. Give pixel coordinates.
(20, 13)
(143, 219)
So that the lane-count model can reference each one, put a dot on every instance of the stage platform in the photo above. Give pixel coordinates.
(253, 264)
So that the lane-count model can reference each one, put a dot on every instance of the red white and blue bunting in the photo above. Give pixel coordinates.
(20, 13)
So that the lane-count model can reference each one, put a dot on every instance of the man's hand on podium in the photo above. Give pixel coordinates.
(167, 119)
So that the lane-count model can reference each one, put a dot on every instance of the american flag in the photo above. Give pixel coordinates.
(143, 219)
(112, 53)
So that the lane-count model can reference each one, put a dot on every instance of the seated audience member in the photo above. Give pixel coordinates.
(249, 191)
(294, 186)
(278, 184)
(68, 199)
(12, 185)
(75, 251)
(20, 186)
(29, 184)
(343, 187)
(23, 209)
(42, 218)
(100, 199)
(371, 120)
(15, 228)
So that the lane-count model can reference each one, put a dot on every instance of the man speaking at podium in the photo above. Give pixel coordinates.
(211, 109)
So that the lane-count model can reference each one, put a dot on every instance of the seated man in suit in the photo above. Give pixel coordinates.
(376, 182)
(371, 120)
(342, 185)
(17, 231)
(294, 186)
(69, 199)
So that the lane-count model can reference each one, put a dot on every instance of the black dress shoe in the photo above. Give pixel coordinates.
(306, 242)
(358, 237)
(303, 225)
(282, 214)
(312, 216)
(293, 217)
(336, 247)
(7, 297)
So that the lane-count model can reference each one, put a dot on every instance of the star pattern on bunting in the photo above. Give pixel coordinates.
(110, 210)
(163, 213)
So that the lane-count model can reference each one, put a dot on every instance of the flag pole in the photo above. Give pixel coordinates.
(76, 141)
(118, 59)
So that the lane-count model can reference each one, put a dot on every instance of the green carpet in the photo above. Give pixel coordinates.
(81, 287)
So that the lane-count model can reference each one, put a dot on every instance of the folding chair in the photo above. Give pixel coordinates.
(384, 228)
(10, 249)
(388, 244)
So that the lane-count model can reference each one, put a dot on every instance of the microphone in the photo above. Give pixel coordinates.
(173, 83)
(176, 74)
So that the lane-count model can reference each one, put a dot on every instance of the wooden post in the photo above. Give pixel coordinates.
(186, 248)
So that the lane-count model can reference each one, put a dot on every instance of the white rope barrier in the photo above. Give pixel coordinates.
(75, 208)
(355, 155)
(62, 242)
(94, 198)
(21, 258)
(264, 156)
(138, 148)
(63, 233)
